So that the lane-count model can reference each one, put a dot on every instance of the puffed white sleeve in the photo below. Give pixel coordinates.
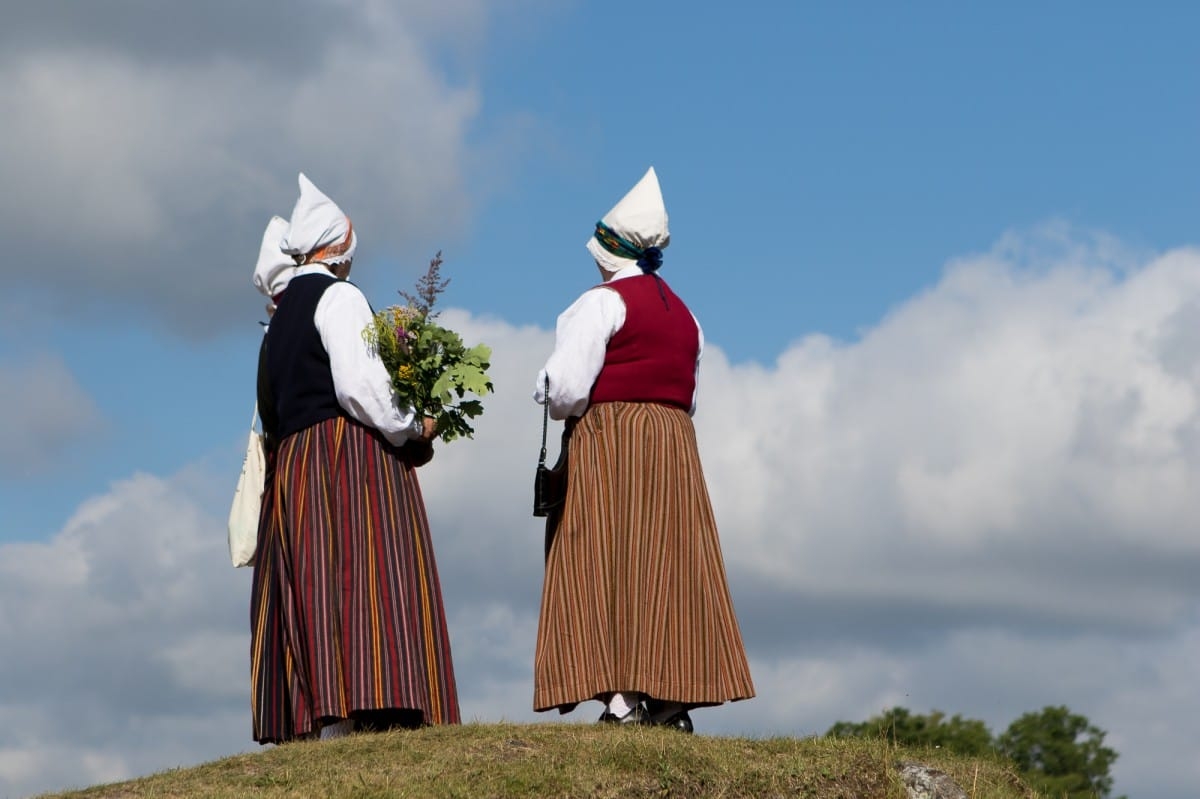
(360, 380)
(699, 352)
(580, 343)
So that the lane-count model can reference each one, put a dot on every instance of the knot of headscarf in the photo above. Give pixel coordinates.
(648, 258)
(651, 259)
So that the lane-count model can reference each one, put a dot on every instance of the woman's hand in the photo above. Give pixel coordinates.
(428, 430)
(419, 450)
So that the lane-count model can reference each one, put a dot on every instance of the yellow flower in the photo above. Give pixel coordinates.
(402, 314)
(405, 372)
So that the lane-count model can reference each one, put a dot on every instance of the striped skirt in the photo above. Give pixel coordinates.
(635, 596)
(346, 609)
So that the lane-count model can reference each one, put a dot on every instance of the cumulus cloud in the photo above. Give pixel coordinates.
(1020, 435)
(981, 506)
(121, 639)
(138, 159)
(47, 415)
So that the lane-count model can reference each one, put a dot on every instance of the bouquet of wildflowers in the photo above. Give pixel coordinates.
(431, 369)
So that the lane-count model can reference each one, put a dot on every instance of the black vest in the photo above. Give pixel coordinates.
(298, 373)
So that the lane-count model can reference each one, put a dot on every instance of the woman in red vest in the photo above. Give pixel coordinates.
(636, 611)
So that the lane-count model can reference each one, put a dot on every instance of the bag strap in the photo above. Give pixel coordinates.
(545, 422)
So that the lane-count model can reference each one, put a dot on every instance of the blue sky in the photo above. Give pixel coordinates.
(945, 260)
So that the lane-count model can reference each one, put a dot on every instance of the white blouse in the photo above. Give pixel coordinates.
(581, 341)
(360, 380)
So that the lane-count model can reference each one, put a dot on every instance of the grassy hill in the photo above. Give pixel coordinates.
(564, 760)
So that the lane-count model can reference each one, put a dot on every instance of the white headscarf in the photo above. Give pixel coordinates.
(318, 225)
(275, 268)
(640, 218)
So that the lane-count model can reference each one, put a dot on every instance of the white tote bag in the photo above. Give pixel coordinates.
(247, 499)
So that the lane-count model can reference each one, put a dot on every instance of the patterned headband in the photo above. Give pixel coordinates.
(330, 251)
(649, 258)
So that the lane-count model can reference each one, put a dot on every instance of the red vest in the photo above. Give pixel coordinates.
(652, 358)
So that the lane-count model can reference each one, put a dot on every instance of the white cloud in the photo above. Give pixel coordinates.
(1005, 439)
(984, 506)
(128, 167)
(122, 623)
(47, 415)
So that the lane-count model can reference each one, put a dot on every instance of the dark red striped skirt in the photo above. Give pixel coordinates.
(635, 596)
(346, 609)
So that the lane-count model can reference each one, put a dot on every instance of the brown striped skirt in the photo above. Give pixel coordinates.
(635, 596)
(346, 611)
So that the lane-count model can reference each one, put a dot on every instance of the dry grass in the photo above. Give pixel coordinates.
(563, 760)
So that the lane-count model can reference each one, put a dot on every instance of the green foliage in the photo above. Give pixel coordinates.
(1061, 753)
(430, 368)
(1058, 752)
(902, 727)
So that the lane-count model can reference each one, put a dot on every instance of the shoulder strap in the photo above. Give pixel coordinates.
(545, 422)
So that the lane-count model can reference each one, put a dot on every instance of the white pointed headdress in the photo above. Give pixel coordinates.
(275, 267)
(635, 230)
(318, 230)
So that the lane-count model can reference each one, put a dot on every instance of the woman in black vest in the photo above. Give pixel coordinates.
(347, 624)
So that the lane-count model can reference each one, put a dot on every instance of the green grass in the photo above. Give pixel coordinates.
(564, 760)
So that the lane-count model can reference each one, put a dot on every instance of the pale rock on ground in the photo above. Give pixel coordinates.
(923, 782)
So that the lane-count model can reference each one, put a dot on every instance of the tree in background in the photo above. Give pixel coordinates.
(899, 725)
(1061, 753)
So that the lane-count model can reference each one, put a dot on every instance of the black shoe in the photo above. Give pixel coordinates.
(680, 721)
(388, 719)
(636, 716)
